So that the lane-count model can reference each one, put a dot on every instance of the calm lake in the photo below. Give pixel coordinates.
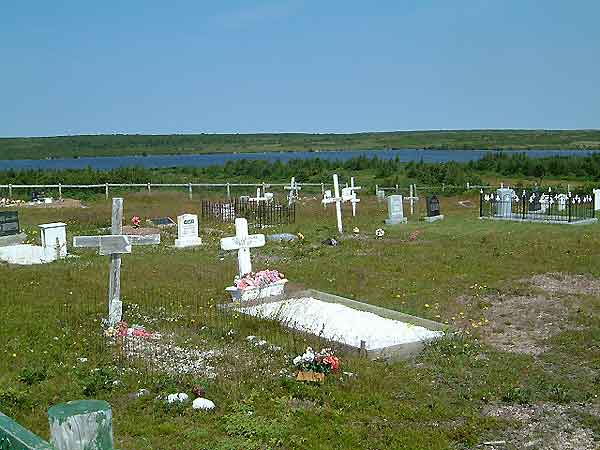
(161, 161)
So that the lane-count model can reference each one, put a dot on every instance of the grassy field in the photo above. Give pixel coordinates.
(119, 145)
(524, 365)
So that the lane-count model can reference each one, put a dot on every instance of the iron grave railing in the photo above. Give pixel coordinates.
(536, 205)
(258, 213)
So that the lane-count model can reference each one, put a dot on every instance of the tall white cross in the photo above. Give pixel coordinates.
(293, 188)
(114, 245)
(412, 197)
(327, 198)
(243, 242)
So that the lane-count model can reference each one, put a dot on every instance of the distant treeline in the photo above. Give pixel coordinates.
(370, 170)
(123, 144)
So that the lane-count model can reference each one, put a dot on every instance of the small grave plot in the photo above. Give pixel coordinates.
(384, 332)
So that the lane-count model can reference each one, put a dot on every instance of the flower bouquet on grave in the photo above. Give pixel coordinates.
(136, 221)
(313, 366)
(262, 284)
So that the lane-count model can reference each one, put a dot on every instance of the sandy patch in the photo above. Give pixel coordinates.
(544, 426)
(564, 283)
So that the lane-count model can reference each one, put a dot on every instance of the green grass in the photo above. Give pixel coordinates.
(50, 318)
(119, 145)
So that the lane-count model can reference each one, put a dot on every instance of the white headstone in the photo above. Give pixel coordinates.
(243, 242)
(395, 210)
(54, 239)
(562, 200)
(504, 199)
(187, 231)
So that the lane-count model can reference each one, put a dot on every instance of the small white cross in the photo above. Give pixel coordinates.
(328, 198)
(293, 188)
(412, 197)
(243, 242)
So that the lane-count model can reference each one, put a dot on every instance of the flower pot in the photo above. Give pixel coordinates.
(255, 293)
(313, 377)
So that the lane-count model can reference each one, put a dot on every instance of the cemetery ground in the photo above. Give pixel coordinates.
(522, 369)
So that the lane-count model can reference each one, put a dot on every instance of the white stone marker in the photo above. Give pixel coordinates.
(54, 240)
(114, 246)
(504, 198)
(187, 231)
(243, 242)
(395, 210)
(562, 200)
(337, 200)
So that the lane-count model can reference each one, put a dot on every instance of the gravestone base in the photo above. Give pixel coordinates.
(188, 242)
(396, 221)
(245, 295)
(14, 239)
(434, 218)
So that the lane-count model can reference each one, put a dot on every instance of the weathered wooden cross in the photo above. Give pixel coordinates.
(114, 245)
(243, 242)
(349, 195)
(337, 199)
(412, 197)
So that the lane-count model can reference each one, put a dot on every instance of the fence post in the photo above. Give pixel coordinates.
(60, 191)
(106, 190)
(481, 203)
(10, 191)
(523, 205)
(376, 189)
(570, 206)
(149, 188)
(322, 188)
(190, 190)
(228, 191)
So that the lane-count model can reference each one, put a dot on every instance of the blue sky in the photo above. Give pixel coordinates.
(145, 66)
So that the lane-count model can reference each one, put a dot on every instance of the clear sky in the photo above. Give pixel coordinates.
(158, 66)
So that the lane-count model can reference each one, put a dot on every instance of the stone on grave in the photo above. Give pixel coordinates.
(504, 199)
(187, 231)
(433, 209)
(54, 239)
(10, 230)
(395, 210)
(81, 425)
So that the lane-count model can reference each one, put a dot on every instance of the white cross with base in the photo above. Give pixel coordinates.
(243, 242)
(327, 198)
(114, 245)
(412, 197)
(293, 188)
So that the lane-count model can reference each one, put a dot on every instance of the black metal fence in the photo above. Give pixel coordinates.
(256, 213)
(535, 205)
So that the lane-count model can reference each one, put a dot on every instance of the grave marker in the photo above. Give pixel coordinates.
(294, 188)
(9, 223)
(328, 198)
(187, 231)
(54, 239)
(114, 246)
(243, 242)
(433, 209)
(504, 198)
(395, 210)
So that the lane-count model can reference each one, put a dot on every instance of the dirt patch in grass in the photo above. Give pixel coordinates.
(564, 283)
(544, 426)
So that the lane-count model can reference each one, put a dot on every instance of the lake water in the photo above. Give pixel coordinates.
(162, 161)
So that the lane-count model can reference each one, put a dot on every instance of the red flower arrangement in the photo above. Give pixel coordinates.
(136, 221)
(324, 362)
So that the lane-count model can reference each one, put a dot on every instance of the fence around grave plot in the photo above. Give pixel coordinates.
(530, 205)
(257, 213)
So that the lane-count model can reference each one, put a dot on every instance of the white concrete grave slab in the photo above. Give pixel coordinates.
(187, 231)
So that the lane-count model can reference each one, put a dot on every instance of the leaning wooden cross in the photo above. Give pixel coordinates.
(114, 245)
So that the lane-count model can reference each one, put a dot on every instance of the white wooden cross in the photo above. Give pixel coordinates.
(412, 197)
(243, 242)
(293, 188)
(349, 195)
(337, 199)
(265, 197)
(114, 245)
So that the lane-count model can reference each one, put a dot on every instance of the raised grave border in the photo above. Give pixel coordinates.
(392, 353)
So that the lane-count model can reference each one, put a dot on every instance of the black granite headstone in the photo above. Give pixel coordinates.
(433, 206)
(9, 223)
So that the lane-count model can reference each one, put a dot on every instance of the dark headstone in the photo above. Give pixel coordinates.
(9, 223)
(433, 206)
(163, 222)
(535, 204)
